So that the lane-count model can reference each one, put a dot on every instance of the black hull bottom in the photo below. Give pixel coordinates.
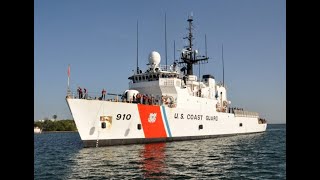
(112, 142)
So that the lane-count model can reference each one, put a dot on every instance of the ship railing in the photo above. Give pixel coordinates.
(153, 100)
(95, 96)
(241, 113)
(221, 84)
(170, 68)
(165, 100)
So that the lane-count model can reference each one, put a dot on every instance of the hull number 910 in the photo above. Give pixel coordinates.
(123, 116)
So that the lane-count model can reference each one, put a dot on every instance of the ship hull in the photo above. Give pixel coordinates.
(113, 142)
(107, 123)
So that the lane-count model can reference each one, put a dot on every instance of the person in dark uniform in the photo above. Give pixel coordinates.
(134, 98)
(80, 93)
(85, 93)
(103, 96)
(185, 80)
(126, 96)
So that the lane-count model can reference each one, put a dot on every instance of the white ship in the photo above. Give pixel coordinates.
(163, 103)
(37, 130)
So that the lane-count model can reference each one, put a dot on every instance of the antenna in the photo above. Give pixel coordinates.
(188, 55)
(222, 67)
(137, 47)
(165, 35)
(68, 90)
(174, 51)
(205, 41)
(199, 81)
(190, 36)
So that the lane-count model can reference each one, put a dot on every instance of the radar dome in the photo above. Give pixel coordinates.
(154, 58)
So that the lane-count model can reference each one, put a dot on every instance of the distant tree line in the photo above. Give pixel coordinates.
(60, 125)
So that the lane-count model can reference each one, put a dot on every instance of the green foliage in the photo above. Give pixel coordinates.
(38, 124)
(61, 125)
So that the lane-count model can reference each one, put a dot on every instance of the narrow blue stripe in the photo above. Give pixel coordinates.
(165, 118)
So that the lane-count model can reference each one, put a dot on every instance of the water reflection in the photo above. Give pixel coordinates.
(244, 157)
(153, 160)
(134, 161)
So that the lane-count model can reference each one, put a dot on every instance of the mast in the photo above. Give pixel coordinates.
(165, 36)
(199, 91)
(68, 76)
(68, 90)
(190, 19)
(174, 51)
(190, 63)
(205, 41)
(188, 55)
(222, 67)
(137, 48)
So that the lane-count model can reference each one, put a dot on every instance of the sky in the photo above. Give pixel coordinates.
(98, 39)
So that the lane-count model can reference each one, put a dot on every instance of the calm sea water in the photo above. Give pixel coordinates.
(253, 156)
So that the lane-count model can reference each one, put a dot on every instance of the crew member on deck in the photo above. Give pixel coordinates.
(80, 93)
(134, 98)
(85, 93)
(103, 96)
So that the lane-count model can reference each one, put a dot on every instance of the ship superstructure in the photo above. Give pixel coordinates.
(163, 103)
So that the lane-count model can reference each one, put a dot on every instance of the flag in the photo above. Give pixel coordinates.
(68, 75)
(69, 70)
